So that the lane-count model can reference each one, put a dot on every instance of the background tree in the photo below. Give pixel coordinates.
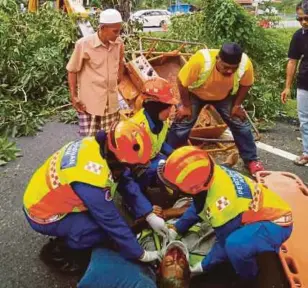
(124, 7)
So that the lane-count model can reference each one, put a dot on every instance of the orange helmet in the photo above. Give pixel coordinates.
(188, 168)
(129, 142)
(159, 90)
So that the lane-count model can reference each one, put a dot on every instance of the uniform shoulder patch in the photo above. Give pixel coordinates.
(69, 158)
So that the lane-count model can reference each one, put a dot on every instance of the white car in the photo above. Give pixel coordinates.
(269, 10)
(152, 18)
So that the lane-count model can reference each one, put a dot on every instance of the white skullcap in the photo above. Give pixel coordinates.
(110, 16)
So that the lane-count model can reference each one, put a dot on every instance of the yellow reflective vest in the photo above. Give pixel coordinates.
(49, 196)
(157, 140)
(232, 194)
(209, 65)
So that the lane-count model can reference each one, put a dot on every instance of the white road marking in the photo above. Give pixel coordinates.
(277, 151)
(271, 149)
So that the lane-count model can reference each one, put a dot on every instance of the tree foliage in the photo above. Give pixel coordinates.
(34, 51)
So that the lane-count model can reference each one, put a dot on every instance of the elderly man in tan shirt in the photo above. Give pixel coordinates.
(94, 71)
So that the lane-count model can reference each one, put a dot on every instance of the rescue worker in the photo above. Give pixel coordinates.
(221, 78)
(158, 99)
(71, 196)
(248, 218)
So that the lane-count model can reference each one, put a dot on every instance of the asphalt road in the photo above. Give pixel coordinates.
(19, 245)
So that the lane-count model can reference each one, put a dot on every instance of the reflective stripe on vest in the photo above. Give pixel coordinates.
(148, 236)
(232, 194)
(157, 140)
(49, 196)
(240, 73)
(209, 64)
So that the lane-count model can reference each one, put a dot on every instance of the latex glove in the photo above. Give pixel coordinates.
(172, 234)
(149, 256)
(158, 224)
(197, 269)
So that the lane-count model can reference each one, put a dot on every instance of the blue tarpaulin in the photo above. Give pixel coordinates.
(182, 8)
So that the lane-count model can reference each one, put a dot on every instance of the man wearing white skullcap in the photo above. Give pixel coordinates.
(94, 71)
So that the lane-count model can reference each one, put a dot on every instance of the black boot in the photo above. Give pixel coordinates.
(76, 262)
(57, 255)
(54, 252)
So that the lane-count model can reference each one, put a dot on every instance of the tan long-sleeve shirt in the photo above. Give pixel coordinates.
(97, 69)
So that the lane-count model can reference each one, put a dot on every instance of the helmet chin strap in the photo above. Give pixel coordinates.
(199, 200)
(113, 163)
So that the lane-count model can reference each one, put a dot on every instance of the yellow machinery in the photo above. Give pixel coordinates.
(71, 7)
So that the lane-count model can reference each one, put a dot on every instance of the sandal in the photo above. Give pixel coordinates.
(301, 160)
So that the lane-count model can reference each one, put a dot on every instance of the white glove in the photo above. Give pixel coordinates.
(149, 256)
(197, 269)
(172, 234)
(158, 224)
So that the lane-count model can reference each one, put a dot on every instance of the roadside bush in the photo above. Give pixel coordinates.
(34, 51)
(35, 48)
(8, 151)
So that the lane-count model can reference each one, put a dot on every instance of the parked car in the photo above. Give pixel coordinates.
(269, 10)
(152, 17)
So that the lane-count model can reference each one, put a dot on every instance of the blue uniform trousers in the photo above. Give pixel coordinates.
(241, 246)
(79, 230)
